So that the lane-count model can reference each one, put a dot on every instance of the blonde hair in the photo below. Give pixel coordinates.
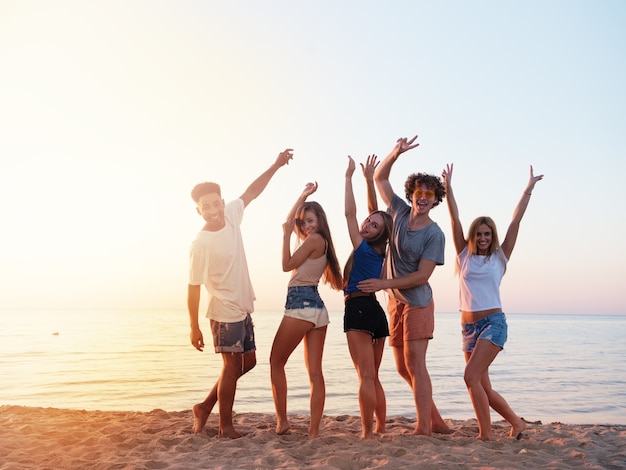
(472, 236)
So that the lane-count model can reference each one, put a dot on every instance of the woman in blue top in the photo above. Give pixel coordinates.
(365, 321)
(481, 263)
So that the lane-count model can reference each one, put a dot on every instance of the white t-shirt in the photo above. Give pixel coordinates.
(218, 261)
(479, 281)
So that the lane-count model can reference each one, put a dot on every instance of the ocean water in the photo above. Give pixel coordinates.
(555, 368)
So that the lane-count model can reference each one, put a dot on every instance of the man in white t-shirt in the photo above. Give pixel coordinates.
(218, 261)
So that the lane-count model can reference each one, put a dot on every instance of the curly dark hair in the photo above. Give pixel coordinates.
(201, 189)
(430, 181)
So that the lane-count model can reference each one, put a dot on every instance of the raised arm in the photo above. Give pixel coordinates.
(518, 213)
(368, 172)
(381, 176)
(290, 261)
(350, 206)
(457, 229)
(259, 184)
(309, 189)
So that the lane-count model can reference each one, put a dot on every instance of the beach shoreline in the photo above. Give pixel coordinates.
(52, 438)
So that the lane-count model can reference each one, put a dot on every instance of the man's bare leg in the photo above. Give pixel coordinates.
(235, 365)
(437, 423)
(202, 411)
(415, 360)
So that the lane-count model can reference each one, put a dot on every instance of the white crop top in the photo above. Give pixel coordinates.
(479, 281)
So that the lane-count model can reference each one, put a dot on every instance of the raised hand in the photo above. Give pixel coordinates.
(309, 189)
(403, 144)
(446, 175)
(533, 179)
(284, 157)
(351, 167)
(370, 167)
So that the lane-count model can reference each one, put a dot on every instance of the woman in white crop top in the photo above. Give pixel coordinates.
(305, 315)
(481, 263)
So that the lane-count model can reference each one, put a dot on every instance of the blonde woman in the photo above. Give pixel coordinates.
(481, 264)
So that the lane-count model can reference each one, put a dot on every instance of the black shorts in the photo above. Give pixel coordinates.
(365, 314)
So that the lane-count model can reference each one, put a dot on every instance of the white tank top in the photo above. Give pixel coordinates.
(479, 281)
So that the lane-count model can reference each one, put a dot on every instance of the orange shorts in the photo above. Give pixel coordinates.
(408, 323)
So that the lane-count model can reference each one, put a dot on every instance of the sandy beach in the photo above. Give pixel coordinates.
(50, 438)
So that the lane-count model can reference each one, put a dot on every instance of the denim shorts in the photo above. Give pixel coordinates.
(492, 328)
(235, 337)
(305, 303)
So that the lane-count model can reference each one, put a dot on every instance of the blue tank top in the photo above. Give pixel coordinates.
(368, 264)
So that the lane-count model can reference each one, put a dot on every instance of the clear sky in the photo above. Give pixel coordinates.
(111, 111)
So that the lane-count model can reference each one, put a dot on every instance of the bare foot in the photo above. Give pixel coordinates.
(282, 427)
(419, 432)
(229, 433)
(380, 429)
(517, 429)
(313, 434)
(441, 428)
(201, 414)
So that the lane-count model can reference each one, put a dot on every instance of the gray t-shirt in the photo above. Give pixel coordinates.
(407, 249)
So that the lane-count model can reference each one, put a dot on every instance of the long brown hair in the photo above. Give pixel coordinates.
(332, 273)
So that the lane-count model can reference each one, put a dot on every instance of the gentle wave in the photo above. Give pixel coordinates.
(562, 368)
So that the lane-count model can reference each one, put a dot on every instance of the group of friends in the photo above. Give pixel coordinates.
(395, 251)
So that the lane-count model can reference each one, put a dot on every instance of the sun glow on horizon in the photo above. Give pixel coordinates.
(110, 113)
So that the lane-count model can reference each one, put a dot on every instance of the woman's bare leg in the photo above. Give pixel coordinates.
(361, 348)
(289, 334)
(313, 351)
